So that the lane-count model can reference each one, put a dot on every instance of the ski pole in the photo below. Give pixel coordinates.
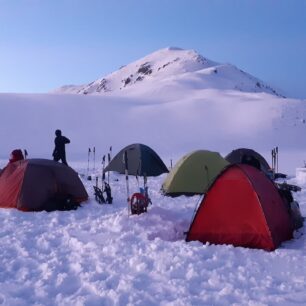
(273, 162)
(276, 159)
(88, 176)
(109, 159)
(103, 173)
(126, 167)
(94, 158)
(272, 158)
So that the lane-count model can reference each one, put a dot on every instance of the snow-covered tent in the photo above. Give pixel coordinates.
(243, 208)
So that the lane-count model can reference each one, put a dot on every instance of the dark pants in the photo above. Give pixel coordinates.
(61, 157)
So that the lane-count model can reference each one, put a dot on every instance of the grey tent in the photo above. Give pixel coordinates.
(237, 156)
(142, 161)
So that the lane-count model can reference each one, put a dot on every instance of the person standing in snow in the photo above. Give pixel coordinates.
(59, 152)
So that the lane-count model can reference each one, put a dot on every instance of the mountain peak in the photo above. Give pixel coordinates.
(172, 66)
(173, 49)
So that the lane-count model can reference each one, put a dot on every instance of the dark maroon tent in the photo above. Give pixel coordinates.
(40, 184)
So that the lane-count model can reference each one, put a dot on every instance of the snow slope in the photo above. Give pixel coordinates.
(172, 67)
(212, 119)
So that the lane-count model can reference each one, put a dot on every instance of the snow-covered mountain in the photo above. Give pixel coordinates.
(172, 68)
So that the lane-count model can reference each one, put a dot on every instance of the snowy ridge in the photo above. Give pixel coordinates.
(169, 65)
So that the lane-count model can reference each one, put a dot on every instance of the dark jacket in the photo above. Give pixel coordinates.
(60, 142)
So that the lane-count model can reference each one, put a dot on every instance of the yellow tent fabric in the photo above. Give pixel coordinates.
(194, 173)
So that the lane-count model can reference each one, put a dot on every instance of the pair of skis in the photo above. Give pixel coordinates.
(109, 157)
(93, 151)
(105, 188)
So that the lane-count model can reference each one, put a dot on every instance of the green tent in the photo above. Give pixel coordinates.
(194, 173)
(142, 161)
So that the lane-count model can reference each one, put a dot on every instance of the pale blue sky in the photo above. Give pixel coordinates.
(45, 44)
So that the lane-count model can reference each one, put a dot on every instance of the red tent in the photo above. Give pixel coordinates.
(242, 208)
(39, 184)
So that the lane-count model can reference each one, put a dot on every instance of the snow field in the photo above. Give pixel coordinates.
(97, 255)
(205, 119)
